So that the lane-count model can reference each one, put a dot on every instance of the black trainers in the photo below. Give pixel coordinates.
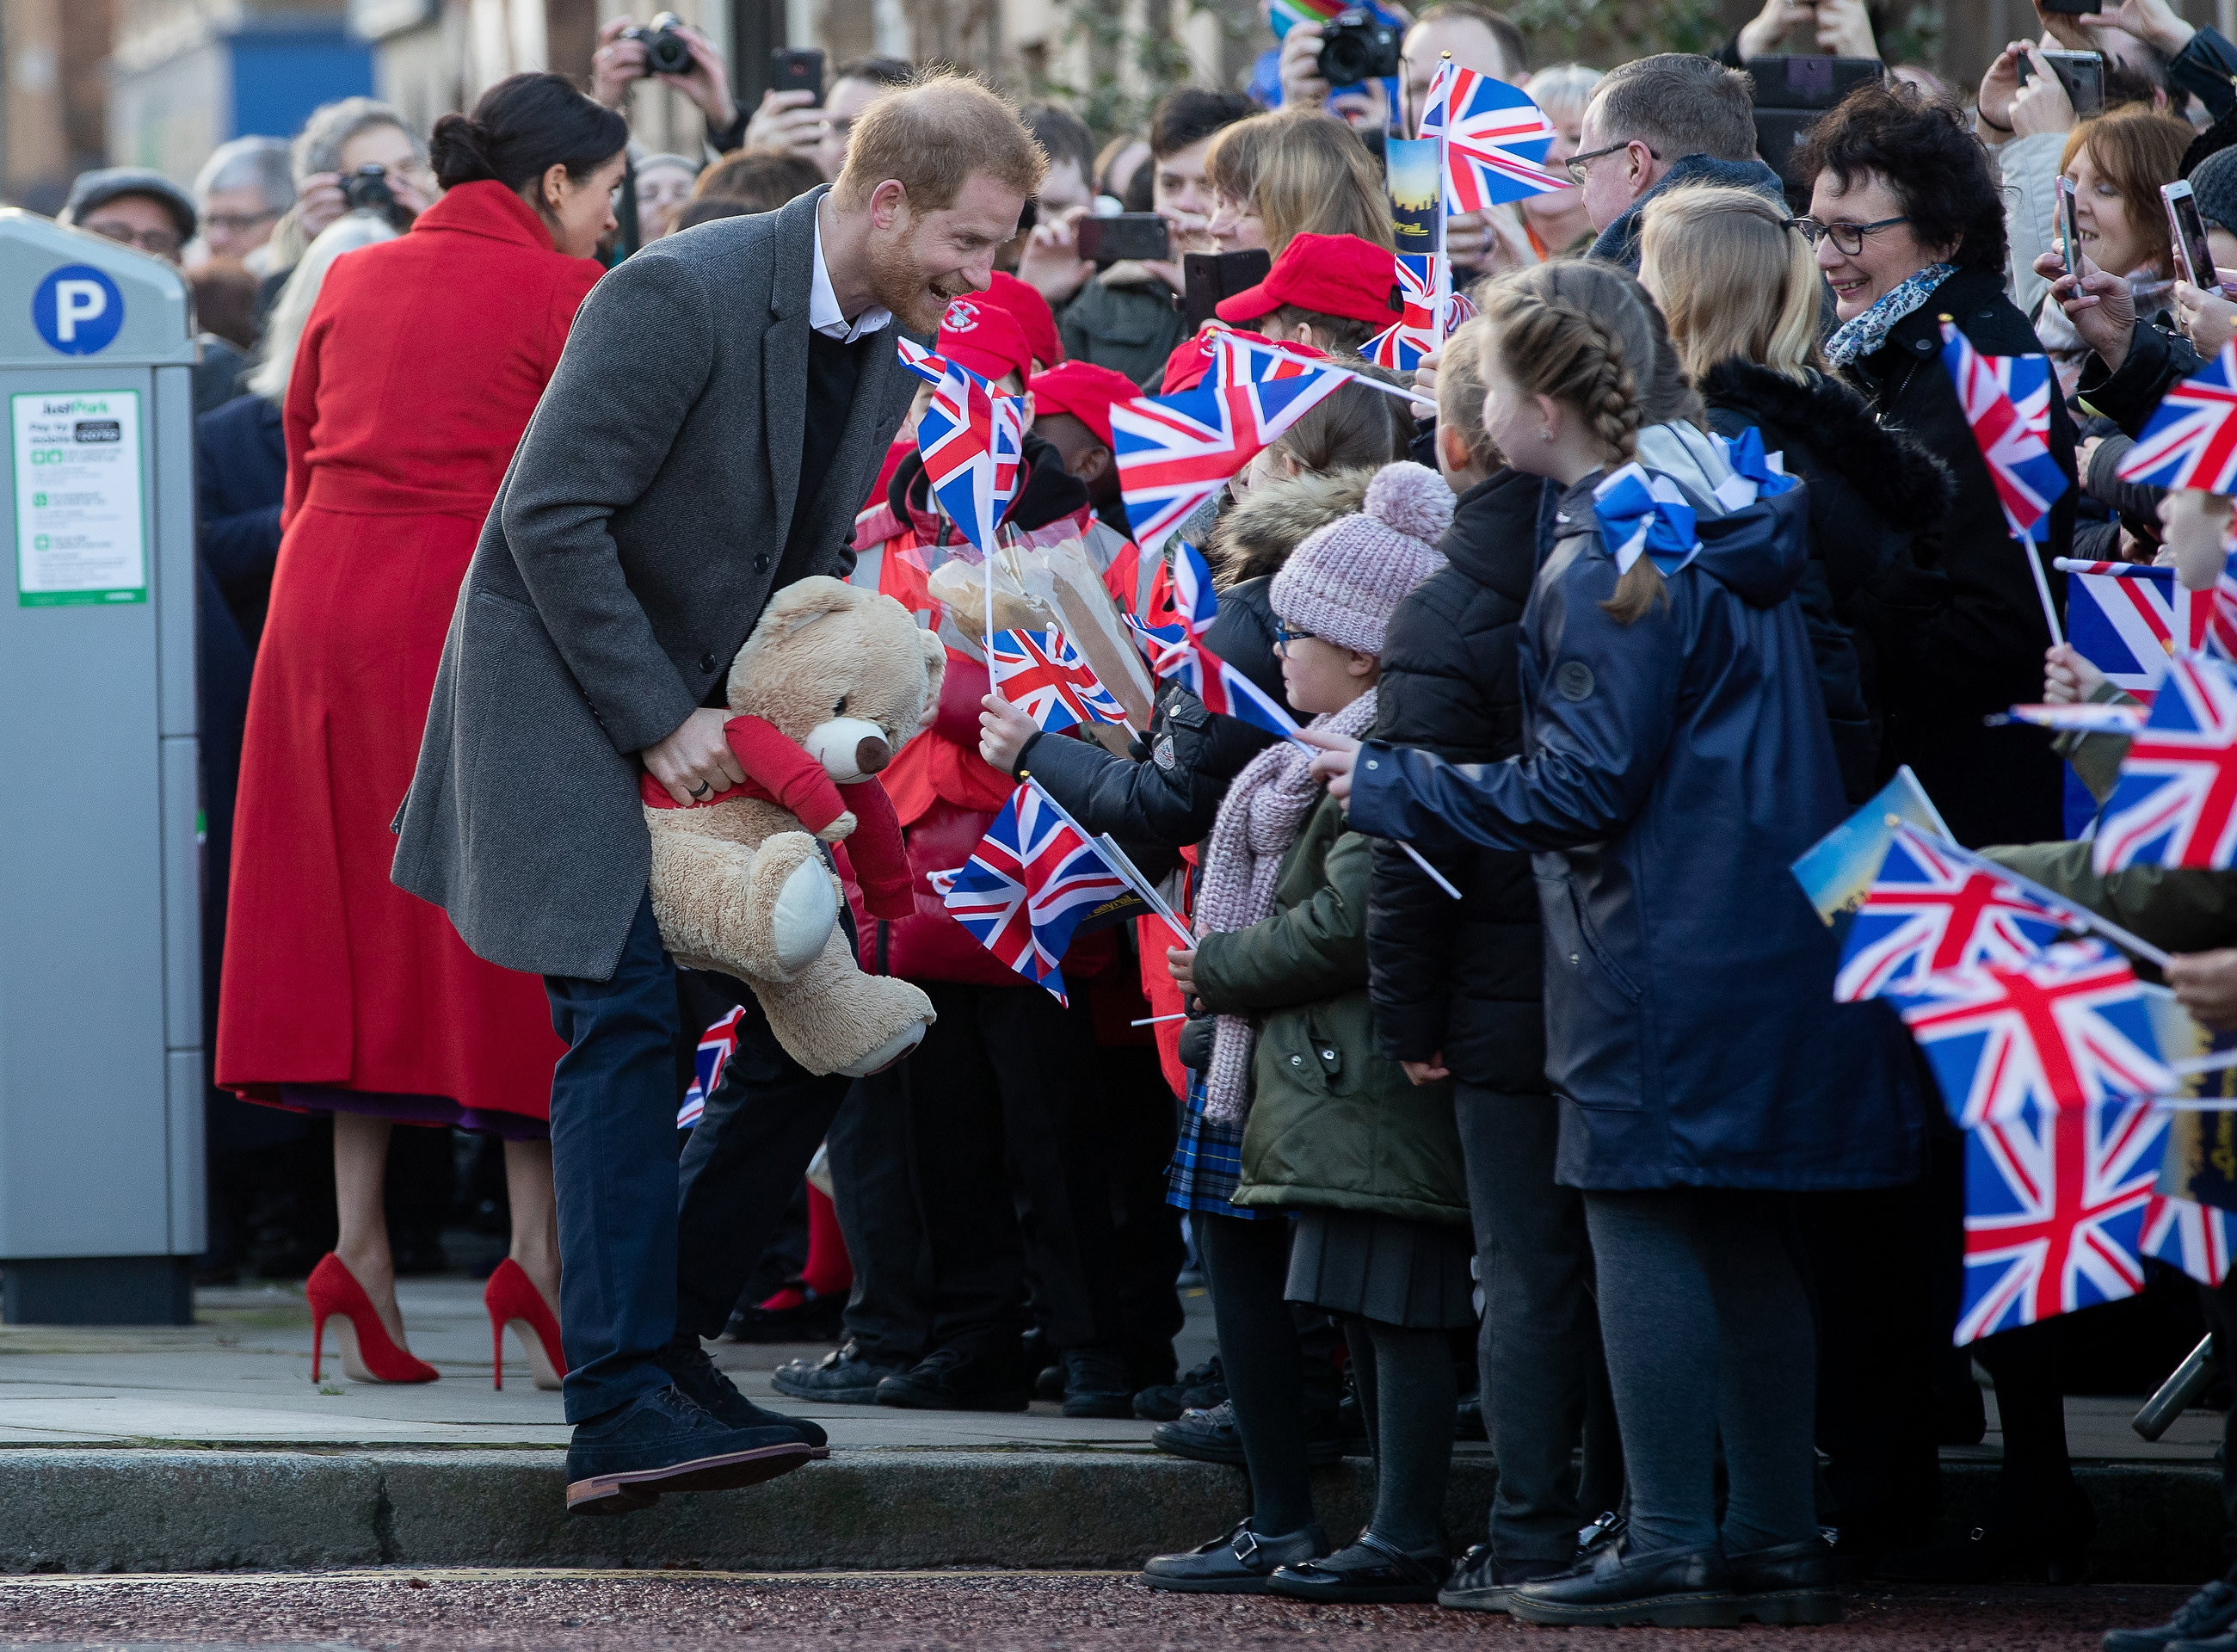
(843, 1377)
(1199, 1389)
(1240, 1563)
(662, 1442)
(1095, 1384)
(947, 1380)
(2206, 1615)
(1482, 1583)
(1210, 1435)
(1675, 1588)
(705, 1385)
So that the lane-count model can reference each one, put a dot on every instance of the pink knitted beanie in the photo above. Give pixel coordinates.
(1344, 581)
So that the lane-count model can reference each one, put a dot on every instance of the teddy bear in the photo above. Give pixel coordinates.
(831, 683)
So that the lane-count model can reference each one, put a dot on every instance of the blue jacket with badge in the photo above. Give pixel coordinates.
(1672, 771)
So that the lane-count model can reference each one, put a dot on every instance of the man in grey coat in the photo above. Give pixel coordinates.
(721, 408)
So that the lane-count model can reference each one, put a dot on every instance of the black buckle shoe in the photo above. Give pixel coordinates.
(1480, 1582)
(1369, 1570)
(947, 1380)
(1673, 1587)
(843, 1377)
(706, 1385)
(1791, 1583)
(1211, 1436)
(1238, 1563)
(662, 1442)
(2207, 1616)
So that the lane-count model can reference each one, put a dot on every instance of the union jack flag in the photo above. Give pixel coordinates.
(1495, 138)
(1228, 693)
(1043, 676)
(971, 440)
(2192, 1236)
(2067, 1029)
(2055, 1210)
(1934, 907)
(1028, 886)
(2176, 801)
(1425, 285)
(2006, 400)
(1180, 608)
(717, 1044)
(1175, 452)
(2191, 441)
(2126, 617)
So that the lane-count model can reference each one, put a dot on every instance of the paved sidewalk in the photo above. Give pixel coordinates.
(208, 1446)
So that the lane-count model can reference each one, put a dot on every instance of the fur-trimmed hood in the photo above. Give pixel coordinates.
(1257, 535)
(1911, 488)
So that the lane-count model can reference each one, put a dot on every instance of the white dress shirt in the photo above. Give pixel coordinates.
(823, 313)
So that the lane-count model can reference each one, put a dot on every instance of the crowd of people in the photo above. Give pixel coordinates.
(1550, 1131)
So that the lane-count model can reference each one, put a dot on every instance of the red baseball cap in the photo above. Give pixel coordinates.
(1030, 312)
(1334, 274)
(1085, 392)
(978, 334)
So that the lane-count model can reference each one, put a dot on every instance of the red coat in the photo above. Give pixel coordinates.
(422, 362)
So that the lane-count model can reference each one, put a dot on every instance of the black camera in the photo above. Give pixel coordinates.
(1355, 46)
(366, 190)
(666, 52)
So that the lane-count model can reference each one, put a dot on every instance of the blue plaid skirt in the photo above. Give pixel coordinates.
(1207, 1162)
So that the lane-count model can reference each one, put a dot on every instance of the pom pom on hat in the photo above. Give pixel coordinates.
(1413, 498)
(1345, 580)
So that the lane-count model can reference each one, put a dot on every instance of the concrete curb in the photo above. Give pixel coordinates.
(159, 1510)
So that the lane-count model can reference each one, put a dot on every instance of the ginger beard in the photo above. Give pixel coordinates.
(929, 259)
(899, 282)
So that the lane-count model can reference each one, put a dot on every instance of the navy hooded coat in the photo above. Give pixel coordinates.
(1671, 769)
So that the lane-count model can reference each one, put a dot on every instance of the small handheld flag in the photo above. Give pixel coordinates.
(1425, 287)
(1494, 140)
(2175, 804)
(1175, 452)
(1034, 880)
(2191, 441)
(1043, 676)
(717, 1044)
(971, 440)
(1933, 907)
(2061, 1031)
(2006, 402)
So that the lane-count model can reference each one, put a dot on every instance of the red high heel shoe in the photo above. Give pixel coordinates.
(513, 1301)
(368, 1355)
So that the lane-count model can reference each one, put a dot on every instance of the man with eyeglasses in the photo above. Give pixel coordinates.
(242, 190)
(1659, 123)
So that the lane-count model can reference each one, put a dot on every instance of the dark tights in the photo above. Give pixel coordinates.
(1247, 1265)
(1407, 1392)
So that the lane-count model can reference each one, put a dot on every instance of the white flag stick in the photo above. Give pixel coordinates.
(1125, 869)
(2043, 591)
(1442, 881)
(1415, 397)
(1159, 1021)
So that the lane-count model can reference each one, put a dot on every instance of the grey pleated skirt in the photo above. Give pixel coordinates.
(1390, 1268)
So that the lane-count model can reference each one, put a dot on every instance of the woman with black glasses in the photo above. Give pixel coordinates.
(1908, 228)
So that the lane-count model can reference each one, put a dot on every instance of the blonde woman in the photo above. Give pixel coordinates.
(1741, 293)
(1275, 176)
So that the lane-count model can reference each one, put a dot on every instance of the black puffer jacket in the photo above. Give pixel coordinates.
(1871, 492)
(1169, 795)
(1465, 979)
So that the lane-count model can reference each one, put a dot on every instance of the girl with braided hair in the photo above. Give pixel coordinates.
(1675, 762)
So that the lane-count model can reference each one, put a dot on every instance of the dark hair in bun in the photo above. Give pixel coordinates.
(521, 127)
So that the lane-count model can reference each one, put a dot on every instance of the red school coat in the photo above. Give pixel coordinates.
(422, 360)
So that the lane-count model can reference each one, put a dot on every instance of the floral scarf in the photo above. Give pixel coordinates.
(1860, 335)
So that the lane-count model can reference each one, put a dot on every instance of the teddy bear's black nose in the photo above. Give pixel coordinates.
(872, 754)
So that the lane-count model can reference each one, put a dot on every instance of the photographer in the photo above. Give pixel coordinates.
(333, 153)
(619, 63)
(1365, 105)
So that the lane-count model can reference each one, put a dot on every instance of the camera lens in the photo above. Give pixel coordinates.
(667, 52)
(1343, 59)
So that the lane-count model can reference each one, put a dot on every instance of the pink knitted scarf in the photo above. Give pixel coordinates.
(1259, 819)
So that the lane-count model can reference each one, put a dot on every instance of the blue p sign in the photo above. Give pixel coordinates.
(77, 309)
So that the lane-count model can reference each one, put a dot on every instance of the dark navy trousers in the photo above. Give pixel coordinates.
(614, 1163)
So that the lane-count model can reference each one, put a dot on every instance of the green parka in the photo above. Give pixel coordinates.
(1333, 1122)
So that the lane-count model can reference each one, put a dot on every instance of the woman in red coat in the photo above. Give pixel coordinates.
(414, 379)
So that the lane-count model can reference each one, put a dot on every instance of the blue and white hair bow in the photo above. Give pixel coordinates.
(1640, 512)
(1755, 474)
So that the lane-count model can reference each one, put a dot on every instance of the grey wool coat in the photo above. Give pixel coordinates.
(636, 536)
